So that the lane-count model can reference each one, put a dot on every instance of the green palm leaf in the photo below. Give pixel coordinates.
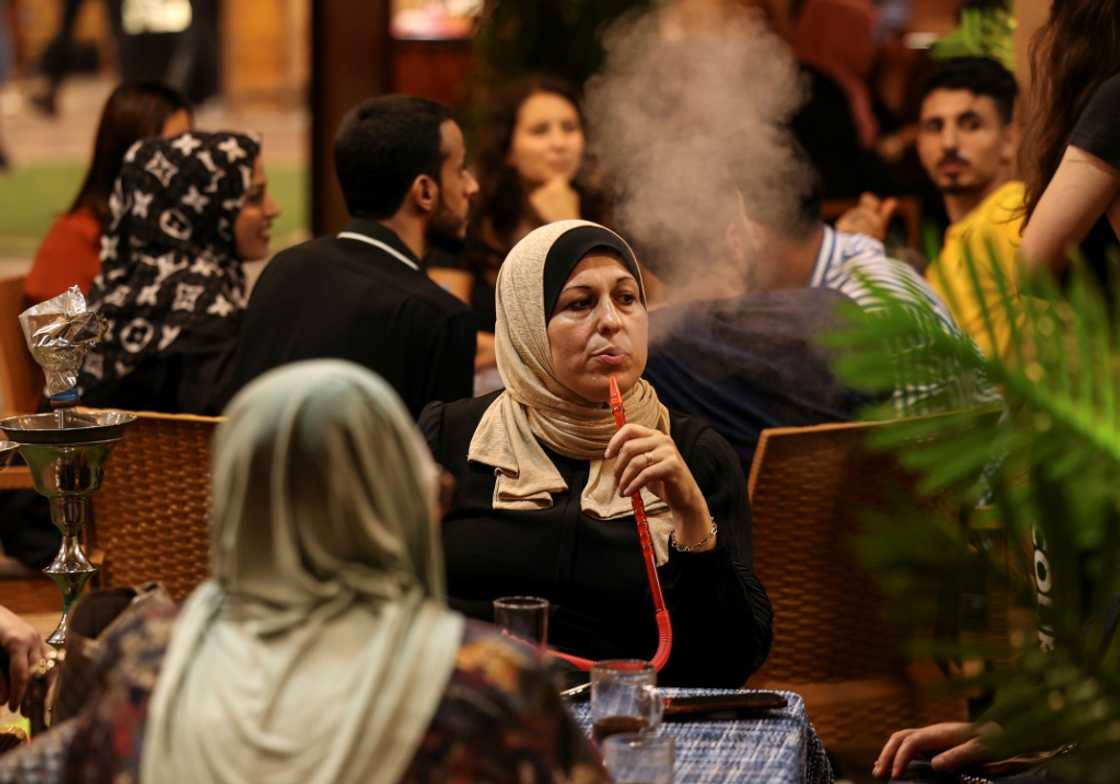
(1046, 464)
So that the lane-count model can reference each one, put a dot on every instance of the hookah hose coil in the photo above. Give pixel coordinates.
(661, 613)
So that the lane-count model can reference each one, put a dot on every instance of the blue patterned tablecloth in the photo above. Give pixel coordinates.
(781, 748)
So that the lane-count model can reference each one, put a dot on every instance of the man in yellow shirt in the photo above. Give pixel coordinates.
(967, 143)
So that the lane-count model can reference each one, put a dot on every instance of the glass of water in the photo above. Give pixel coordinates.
(635, 758)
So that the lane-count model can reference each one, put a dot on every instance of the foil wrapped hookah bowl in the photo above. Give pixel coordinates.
(66, 448)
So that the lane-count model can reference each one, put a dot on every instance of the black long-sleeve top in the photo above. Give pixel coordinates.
(339, 296)
(592, 572)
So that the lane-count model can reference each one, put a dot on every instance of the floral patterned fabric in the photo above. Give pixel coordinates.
(500, 719)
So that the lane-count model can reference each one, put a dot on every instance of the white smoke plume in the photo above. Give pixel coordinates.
(680, 117)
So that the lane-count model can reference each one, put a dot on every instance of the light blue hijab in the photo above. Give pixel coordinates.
(321, 648)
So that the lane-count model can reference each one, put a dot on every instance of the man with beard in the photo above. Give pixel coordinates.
(967, 144)
(362, 294)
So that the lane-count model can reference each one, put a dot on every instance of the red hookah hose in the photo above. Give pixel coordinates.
(661, 613)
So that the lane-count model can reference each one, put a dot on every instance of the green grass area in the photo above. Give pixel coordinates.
(32, 196)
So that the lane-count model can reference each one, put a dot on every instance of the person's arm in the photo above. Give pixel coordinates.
(501, 713)
(455, 281)
(485, 355)
(451, 360)
(1082, 189)
(24, 648)
(871, 216)
(566, 754)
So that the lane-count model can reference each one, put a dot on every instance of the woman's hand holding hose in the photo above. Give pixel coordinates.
(649, 458)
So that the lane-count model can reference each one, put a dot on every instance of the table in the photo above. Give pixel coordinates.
(782, 748)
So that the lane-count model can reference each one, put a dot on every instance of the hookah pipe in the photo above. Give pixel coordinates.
(661, 613)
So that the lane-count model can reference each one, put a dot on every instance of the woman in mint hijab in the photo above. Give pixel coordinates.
(322, 649)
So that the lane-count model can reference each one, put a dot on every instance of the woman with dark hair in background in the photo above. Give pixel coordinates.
(532, 171)
(70, 250)
(1071, 151)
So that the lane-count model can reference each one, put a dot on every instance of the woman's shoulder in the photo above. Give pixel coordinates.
(483, 644)
(451, 423)
(69, 253)
(1108, 92)
(81, 222)
(1096, 128)
(701, 446)
(500, 713)
(692, 432)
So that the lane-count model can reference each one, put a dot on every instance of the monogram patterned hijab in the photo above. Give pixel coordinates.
(168, 256)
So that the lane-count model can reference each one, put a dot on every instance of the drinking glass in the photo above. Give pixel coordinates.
(624, 698)
(523, 617)
(634, 758)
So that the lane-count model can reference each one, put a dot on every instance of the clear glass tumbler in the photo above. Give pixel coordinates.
(634, 758)
(523, 617)
(624, 698)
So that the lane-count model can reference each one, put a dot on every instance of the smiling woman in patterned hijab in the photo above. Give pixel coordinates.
(184, 215)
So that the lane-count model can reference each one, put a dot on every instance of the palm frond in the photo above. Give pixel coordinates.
(1045, 461)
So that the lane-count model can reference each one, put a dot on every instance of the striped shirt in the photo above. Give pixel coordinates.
(847, 263)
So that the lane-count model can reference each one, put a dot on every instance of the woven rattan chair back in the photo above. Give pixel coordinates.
(810, 488)
(151, 513)
(21, 380)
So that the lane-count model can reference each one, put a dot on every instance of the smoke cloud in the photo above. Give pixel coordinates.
(687, 111)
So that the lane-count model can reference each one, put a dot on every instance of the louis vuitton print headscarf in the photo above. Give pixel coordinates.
(168, 254)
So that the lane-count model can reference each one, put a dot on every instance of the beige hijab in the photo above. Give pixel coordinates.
(536, 408)
(322, 647)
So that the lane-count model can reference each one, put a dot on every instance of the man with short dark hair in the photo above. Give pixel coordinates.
(362, 294)
(967, 143)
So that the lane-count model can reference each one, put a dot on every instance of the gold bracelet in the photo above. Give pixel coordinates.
(688, 548)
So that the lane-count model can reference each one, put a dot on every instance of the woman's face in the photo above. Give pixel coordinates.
(599, 328)
(253, 229)
(547, 140)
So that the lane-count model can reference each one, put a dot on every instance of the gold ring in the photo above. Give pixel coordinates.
(649, 459)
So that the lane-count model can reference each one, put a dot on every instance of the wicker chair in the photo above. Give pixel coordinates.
(151, 513)
(21, 380)
(809, 489)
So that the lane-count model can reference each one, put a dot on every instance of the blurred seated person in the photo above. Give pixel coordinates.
(70, 251)
(24, 648)
(362, 294)
(751, 361)
(838, 127)
(532, 171)
(184, 215)
(787, 249)
(322, 649)
(967, 141)
(541, 504)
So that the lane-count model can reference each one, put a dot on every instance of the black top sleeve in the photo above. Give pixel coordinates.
(195, 376)
(704, 590)
(1098, 128)
(451, 361)
(430, 423)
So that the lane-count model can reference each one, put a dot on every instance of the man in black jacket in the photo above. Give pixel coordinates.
(362, 294)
